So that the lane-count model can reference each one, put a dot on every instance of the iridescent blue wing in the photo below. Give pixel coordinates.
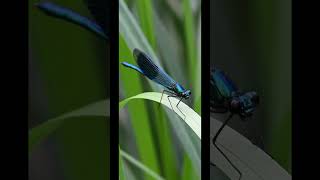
(152, 71)
(225, 86)
(100, 10)
(71, 16)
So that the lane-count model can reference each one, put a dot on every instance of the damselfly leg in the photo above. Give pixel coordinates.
(179, 108)
(170, 101)
(171, 93)
(224, 155)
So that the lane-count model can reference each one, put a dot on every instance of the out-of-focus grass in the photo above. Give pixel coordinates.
(122, 175)
(145, 10)
(131, 84)
(170, 138)
(71, 63)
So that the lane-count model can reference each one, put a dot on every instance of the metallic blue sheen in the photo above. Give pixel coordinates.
(224, 96)
(225, 86)
(132, 67)
(71, 16)
(156, 74)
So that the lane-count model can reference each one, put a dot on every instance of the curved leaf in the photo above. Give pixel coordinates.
(140, 165)
(190, 116)
(40, 132)
(251, 161)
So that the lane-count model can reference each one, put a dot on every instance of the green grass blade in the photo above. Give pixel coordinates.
(187, 169)
(145, 11)
(40, 132)
(167, 156)
(121, 168)
(138, 112)
(189, 32)
(132, 33)
(170, 49)
(197, 88)
(139, 165)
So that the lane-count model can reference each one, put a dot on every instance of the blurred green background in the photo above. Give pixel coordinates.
(169, 31)
(67, 69)
(251, 41)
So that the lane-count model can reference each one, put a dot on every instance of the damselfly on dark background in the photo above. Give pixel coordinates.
(226, 98)
(252, 44)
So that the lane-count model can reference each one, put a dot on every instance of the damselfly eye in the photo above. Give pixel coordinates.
(235, 105)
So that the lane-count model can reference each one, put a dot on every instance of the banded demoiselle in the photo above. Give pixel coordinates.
(225, 97)
(149, 69)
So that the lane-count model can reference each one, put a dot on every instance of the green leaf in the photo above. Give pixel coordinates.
(248, 158)
(145, 10)
(121, 168)
(191, 45)
(190, 117)
(187, 169)
(139, 165)
(42, 131)
(140, 118)
(132, 33)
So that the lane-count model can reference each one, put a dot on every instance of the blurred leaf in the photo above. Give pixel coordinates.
(40, 132)
(169, 47)
(138, 164)
(132, 33)
(191, 117)
(187, 169)
(167, 156)
(121, 168)
(145, 11)
(248, 158)
(197, 85)
(190, 40)
(138, 112)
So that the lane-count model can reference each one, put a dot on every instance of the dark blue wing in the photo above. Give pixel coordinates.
(100, 10)
(223, 83)
(152, 71)
(73, 17)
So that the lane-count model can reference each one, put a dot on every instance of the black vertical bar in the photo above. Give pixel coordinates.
(114, 91)
(205, 87)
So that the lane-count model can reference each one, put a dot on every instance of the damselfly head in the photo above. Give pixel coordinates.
(244, 104)
(186, 94)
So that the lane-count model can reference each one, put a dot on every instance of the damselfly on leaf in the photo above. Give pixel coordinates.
(71, 16)
(156, 74)
(225, 97)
